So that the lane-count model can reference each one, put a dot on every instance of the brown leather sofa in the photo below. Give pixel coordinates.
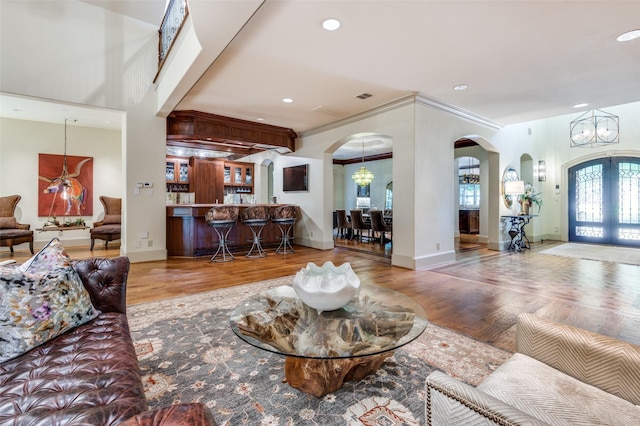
(90, 374)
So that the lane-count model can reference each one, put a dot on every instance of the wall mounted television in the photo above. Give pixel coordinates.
(295, 178)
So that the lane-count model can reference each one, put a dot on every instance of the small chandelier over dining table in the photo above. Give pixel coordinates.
(363, 176)
(594, 128)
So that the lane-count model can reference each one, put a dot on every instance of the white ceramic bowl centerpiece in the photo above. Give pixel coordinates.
(326, 288)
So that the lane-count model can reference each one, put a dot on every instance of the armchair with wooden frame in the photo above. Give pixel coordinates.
(11, 232)
(108, 229)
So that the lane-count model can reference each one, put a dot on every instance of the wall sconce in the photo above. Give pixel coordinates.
(542, 171)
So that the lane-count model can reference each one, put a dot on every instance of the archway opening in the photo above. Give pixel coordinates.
(374, 152)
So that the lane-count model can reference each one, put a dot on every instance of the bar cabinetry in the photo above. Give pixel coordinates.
(238, 178)
(469, 221)
(189, 235)
(207, 180)
(178, 174)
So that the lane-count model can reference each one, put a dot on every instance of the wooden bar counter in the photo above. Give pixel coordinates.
(189, 235)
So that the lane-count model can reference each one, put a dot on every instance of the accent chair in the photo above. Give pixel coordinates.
(11, 232)
(108, 229)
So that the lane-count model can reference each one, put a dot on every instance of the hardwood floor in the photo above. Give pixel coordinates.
(479, 295)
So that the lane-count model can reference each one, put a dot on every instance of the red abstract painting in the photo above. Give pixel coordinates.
(74, 196)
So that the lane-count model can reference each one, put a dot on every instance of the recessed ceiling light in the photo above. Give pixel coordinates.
(331, 24)
(287, 100)
(629, 35)
(260, 119)
(460, 87)
(580, 105)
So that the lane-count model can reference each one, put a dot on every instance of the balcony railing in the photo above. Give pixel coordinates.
(174, 18)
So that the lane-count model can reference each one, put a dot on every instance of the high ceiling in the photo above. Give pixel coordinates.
(521, 60)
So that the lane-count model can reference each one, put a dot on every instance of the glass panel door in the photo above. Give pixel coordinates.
(628, 185)
(171, 171)
(184, 172)
(604, 201)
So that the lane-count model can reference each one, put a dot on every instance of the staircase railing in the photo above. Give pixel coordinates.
(174, 18)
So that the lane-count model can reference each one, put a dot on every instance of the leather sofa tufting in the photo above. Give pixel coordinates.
(90, 374)
(559, 375)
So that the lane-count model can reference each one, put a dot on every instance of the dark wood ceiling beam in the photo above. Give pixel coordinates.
(200, 128)
(367, 158)
(214, 146)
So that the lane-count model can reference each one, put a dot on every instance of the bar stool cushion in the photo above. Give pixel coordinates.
(221, 214)
(285, 213)
(255, 213)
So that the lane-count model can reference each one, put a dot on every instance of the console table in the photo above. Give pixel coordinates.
(61, 228)
(517, 233)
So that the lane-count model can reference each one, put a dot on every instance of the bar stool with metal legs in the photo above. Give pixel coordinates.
(285, 218)
(222, 219)
(256, 217)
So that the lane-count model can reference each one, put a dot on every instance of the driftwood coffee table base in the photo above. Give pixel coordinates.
(319, 377)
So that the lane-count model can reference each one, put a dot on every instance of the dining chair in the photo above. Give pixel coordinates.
(359, 225)
(378, 224)
(343, 223)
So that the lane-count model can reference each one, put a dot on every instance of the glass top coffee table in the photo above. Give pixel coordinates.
(323, 350)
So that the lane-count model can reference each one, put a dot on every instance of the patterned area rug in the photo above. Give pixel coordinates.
(188, 353)
(627, 255)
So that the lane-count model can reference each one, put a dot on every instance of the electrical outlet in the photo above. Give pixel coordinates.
(437, 246)
(149, 243)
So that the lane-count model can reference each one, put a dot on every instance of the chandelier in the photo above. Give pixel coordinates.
(363, 176)
(64, 176)
(594, 128)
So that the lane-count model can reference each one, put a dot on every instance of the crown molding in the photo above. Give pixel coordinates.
(412, 98)
(457, 111)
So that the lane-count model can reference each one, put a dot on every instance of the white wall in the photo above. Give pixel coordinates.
(20, 143)
(82, 54)
(112, 65)
(549, 141)
(436, 133)
(383, 174)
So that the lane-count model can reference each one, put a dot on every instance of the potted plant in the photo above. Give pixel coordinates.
(529, 198)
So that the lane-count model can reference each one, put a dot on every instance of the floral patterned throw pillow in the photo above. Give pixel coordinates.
(40, 300)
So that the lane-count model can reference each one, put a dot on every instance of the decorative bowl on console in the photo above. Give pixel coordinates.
(326, 288)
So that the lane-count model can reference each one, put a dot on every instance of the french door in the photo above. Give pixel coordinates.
(604, 201)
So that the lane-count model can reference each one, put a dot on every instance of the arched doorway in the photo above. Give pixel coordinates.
(604, 201)
(468, 156)
(372, 151)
